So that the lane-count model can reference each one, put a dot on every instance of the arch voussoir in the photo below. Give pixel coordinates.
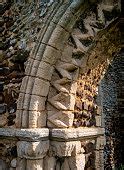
(62, 78)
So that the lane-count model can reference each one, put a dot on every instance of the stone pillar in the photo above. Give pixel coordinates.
(67, 150)
(31, 154)
(99, 153)
(69, 155)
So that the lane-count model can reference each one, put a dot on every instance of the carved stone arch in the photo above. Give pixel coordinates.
(57, 121)
(58, 92)
(42, 61)
(35, 86)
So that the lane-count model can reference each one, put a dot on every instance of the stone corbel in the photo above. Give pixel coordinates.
(32, 150)
(66, 149)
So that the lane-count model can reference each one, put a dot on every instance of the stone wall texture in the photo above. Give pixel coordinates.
(56, 74)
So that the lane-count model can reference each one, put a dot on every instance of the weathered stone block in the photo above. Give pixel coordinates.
(68, 16)
(98, 121)
(56, 40)
(35, 164)
(41, 120)
(24, 84)
(100, 143)
(76, 133)
(37, 119)
(39, 69)
(46, 37)
(63, 101)
(45, 71)
(65, 165)
(32, 150)
(37, 103)
(27, 82)
(51, 55)
(99, 159)
(49, 163)
(65, 148)
(14, 163)
(73, 88)
(31, 102)
(40, 87)
(77, 162)
(61, 119)
(67, 54)
(67, 70)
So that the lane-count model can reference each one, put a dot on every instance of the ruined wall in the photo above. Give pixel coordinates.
(111, 88)
(20, 23)
(75, 80)
(109, 98)
(20, 26)
(120, 98)
(58, 52)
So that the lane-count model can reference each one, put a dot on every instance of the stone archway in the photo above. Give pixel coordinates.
(41, 64)
(49, 50)
(75, 47)
(71, 59)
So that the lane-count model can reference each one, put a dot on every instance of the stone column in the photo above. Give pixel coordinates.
(31, 154)
(68, 154)
(31, 144)
(99, 153)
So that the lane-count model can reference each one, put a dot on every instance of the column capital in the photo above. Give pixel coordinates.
(32, 150)
(62, 149)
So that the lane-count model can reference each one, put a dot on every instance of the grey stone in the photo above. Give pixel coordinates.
(76, 133)
(25, 134)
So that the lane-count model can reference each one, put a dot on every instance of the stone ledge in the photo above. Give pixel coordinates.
(25, 134)
(58, 134)
(75, 133)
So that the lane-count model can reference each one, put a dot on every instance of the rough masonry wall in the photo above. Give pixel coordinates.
(74, 84)
(87, 112)
(120, 98)
(110, 88)
(66, 57)
(8, 154)
(20, 26)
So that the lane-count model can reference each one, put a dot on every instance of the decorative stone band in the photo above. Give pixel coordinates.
(71, 144)
(75, 133)
(76, 146)
(32, 150)
(71, 134)
(25, 134)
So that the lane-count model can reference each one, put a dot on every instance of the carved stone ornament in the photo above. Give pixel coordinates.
(66, 148)
(32, 150)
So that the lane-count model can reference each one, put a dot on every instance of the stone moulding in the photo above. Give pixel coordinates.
(75, 133)
(43, 133)
(36, 84)
(25, 134)
(49, 51)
